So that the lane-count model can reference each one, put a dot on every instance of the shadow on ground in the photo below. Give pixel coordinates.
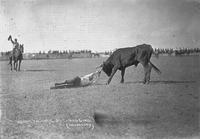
(66, 87)
(36, 70)
(102, 119)
(161, 82)
(150, 127)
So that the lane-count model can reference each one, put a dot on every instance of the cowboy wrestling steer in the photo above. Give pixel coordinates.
(125, 57)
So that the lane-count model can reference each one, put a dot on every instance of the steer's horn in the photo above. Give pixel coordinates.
(100, 66)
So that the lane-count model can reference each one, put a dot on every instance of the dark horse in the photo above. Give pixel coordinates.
(16, 56)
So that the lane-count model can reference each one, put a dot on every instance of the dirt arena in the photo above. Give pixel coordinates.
(168, 107)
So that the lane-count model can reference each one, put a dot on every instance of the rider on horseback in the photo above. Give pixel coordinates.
(16, 54)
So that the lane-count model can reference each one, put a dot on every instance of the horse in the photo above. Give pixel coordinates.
(16, 56)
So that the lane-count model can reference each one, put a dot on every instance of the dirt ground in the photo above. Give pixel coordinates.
(168, 107)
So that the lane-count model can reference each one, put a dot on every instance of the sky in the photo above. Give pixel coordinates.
(99, 25)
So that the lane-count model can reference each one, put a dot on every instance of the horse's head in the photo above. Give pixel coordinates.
(22, 48)
(10, 37)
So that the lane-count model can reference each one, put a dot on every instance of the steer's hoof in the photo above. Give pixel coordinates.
(147, 82)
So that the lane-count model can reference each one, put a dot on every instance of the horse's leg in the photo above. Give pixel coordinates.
(19, 65)
(10, 62)
(11, 66)
(16, 65)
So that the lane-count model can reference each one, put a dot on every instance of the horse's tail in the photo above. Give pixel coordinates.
(10, 60)
(155, 68)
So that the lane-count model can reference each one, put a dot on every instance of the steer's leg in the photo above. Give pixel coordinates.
(148, 74)
(112, 74)
(122, 74)
(146, 69)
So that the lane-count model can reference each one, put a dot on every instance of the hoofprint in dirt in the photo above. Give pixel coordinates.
(166, 108)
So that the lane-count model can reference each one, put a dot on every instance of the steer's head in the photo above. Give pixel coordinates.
(106, 67)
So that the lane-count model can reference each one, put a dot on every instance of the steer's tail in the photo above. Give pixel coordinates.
(155, 68)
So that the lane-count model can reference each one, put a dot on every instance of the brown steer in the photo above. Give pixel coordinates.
(125, 57)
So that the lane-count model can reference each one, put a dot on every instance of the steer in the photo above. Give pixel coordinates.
(125, 57)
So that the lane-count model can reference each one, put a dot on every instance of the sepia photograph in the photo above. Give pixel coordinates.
(99, 69)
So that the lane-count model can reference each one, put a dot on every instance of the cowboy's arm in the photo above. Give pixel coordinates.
(91, 78)
(95, 76)
(12, 40)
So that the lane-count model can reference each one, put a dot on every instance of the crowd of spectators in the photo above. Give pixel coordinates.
(158, 51)
(67, 52)
(178, 51)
